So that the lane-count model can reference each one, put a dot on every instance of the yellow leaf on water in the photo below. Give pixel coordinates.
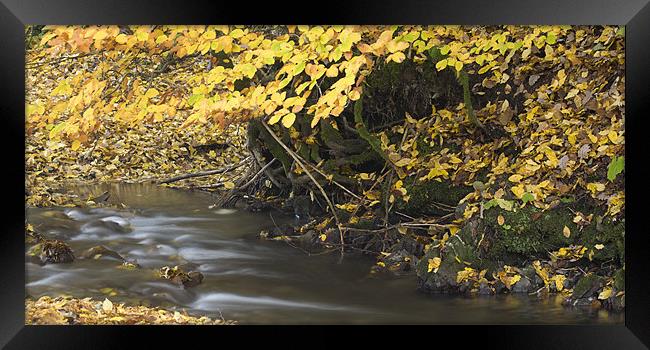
(566, 232)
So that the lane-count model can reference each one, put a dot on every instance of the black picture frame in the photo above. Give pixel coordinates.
(635, 14)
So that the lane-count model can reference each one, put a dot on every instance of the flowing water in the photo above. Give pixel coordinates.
(247, 279)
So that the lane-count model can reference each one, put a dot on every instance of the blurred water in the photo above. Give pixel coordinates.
(247, 279)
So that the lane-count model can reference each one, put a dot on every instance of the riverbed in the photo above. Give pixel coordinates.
(247, 279)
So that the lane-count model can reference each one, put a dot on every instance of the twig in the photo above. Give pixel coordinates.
(257, 175)
(204, 173)
(333, 181)
(404, 215)
(30, 65)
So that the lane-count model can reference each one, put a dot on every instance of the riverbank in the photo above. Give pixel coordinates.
(72, 311)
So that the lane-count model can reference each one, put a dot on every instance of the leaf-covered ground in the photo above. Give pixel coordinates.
(73, 311)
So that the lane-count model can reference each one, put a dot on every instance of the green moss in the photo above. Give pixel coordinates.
(619, 279)
(584, 285)
(530, 233)
(443, 280)
(426, 197)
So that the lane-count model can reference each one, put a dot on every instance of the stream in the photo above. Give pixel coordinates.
(249, 280)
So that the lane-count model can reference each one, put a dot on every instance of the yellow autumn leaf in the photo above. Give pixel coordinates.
(559, 282)
(566, 232)
(100, 35)
(403, 162)
(274, 118)
(151, 93)
(515, 178)
(397, 57)
(288, 120)
(332, 72)
(606, 293)
(518, 191)
(229, 185)
(434, 264)
(441, 64)
(121, 39)
(594, 187)
(107, 305)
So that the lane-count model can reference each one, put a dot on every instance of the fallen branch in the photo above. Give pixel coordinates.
(204, 173)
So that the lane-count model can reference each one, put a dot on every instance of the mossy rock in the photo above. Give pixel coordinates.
(442, 281)
(530, 233)
(52, 251)
(586, 286)
(426, 197)
(458, 253)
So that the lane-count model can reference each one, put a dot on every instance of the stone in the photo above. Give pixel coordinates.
(484, 289)
(522, 286)
(100, 251)
(586, 287)
(53, 251)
